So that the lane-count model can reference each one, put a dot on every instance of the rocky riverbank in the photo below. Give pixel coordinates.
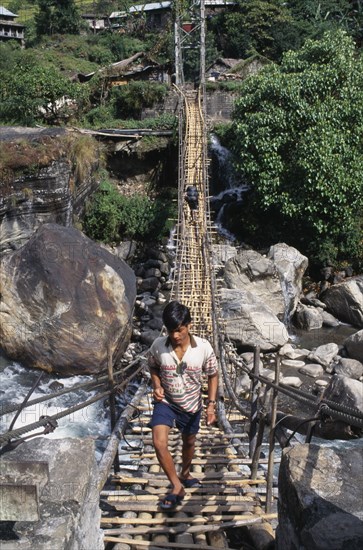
(263, 302)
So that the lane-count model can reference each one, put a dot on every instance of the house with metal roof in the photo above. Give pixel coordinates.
(158, 14)
(9, 30)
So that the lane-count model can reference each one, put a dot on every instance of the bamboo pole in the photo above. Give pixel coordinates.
(257, 449)
(116, 463)
(174, 519)
(248, 520)
(255, 385)
(270, 466)
(120, 427)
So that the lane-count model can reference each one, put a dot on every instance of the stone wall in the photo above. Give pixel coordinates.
(56, 503)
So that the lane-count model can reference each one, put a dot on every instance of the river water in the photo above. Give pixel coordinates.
(15, 383)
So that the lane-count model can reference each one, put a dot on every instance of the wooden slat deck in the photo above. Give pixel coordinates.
(227, 498)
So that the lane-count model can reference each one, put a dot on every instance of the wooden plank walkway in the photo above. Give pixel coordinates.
(227, 498)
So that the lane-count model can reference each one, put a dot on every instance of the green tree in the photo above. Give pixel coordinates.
(313, 17)
(57, 17)
(30, 91)
(298, 138)
(265, 26)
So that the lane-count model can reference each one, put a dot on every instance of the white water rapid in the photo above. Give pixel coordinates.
(231, 189)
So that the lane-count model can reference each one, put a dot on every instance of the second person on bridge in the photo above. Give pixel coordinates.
(176, 363)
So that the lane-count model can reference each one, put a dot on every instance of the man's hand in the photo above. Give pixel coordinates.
(158, 393)
(211, 417)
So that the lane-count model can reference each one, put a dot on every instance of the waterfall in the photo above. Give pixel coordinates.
(226, 182)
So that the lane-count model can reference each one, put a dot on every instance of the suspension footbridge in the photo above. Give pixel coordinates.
(234, 463)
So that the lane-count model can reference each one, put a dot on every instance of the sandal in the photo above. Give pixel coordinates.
(170, 501)
(192, 482)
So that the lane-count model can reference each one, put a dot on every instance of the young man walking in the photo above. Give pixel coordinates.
(176, 364)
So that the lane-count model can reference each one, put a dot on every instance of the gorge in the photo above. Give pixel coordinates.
(268, 283)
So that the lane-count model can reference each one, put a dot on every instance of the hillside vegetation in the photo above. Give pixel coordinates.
(297, 134)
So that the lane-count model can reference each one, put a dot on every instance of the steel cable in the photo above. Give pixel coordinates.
(300, 395)
(92, 384)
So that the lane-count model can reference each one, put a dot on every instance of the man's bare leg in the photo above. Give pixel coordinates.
(160, 441)
(187, 454)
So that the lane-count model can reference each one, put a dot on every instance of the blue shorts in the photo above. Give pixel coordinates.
(167, 415)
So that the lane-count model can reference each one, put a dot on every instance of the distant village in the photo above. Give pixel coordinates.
(152, 17)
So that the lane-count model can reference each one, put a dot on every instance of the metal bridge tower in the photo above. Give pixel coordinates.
(189, 35)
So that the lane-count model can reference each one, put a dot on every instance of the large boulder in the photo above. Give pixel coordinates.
(354, 346)
(249, 321)
(320, 498)
(275, 279)
(291, 266)
(346, 391)
(308, 317)
(345, 301)
(65, 302)
(251, 272)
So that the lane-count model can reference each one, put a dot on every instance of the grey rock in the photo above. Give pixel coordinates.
(250, 322)
(329, 320)
(354, 346)
(65, 301)
(293, 363)
(293, 381)
(251, 272)
(152, 262)
(312, 302)
(126, 250)
(148, 336)
(164, 268)
(149, 284)
(291, 266)
(324, 354)
(345, 391)
(312, 370)
(68, 502)
(157, 254)
(349, 367)
(308, 317)
(221, 253)
(320, 498)
(152, 272)
(290, 352)
(345, 301)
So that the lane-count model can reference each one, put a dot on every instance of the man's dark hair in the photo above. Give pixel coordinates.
(175, 315)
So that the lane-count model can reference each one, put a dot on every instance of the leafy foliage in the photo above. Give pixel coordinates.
(256, 25)
(31, 92)
(57, 16)
(112, 216)
(131, 98)
(314, 17)
(297, 136)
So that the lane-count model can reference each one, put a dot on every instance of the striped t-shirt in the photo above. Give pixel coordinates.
(182, 380)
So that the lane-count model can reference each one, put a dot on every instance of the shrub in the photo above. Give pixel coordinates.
(132, 98)
(111, 217)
